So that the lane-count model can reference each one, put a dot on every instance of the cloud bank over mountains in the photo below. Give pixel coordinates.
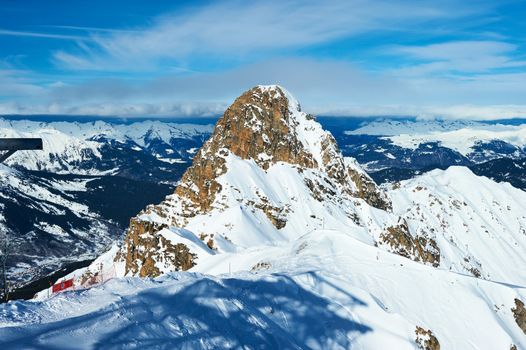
(341, 58)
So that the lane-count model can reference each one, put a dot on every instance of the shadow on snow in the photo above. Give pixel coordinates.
(271, 312)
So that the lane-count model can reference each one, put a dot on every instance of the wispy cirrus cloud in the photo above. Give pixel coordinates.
(92, 29)
(44, 35)
(459, 56)
(338, 57)
(237, 30)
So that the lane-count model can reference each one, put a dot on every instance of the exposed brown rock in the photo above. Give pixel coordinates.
(276, 215)
(401, 242)
(260, 123)
(262, 265)
(147, 267)
(425, 340)
(143, 248)
(255, 124)
(259, 126)
(368, 190)
(475, 272)
(519, 313)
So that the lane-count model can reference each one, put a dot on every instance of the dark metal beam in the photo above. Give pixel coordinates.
(10, 146)
(20, 144)
(6, 155)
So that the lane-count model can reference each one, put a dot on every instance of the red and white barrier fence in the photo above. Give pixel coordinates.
(81, 282)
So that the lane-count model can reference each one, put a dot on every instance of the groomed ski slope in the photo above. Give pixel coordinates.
(324, 290)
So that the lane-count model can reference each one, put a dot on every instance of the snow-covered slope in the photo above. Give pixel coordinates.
(268, 173)
(244, 192)
(325, 290)
(478, 226)
(289, 244)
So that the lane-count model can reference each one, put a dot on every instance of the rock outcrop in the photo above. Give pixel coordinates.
(426, 340)
(148, 254)
(519, 313)
(399, 240)
(264, 124)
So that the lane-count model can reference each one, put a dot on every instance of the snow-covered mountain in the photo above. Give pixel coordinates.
(466, 140)
(460, 135)
(289, 244)
(471, 224)
(392, 150)
(98, 148)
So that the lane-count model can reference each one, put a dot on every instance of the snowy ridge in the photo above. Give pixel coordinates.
(280, 187)
(477, 224)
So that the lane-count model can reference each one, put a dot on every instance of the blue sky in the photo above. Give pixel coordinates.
(445, 58)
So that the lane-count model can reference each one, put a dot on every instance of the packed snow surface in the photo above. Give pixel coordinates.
(325, 290)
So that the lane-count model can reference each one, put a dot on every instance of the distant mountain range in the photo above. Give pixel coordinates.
(394, 150)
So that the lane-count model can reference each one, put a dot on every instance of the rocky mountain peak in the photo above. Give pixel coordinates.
(264, 130)
(266, 124)
(263, 124)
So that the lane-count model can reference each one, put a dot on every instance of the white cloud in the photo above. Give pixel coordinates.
(258, 40)
(237, 29)
(323, 87)
(43, 35)
(470, 112)
(15, 83)
(117, 109)
(458, 56)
